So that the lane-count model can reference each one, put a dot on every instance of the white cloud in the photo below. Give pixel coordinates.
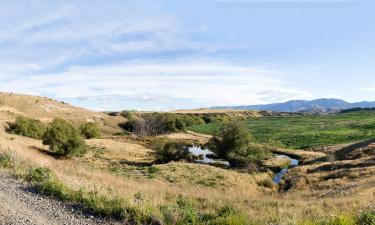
(202, 82)
(52, 34)
(369, 89)
(85, 50)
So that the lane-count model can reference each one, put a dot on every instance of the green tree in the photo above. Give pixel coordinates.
(233, 143)
(90, 130)
(171, 150)
(64, 139)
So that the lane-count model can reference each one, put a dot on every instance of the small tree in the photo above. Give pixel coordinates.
(27, 127)
(171, 150)
(127, 114)
(233, 143)
(64, 139)
(90, 130)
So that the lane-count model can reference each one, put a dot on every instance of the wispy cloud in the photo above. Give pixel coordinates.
(204, 83)
(53, 34)
(368, 89)
(103, 54)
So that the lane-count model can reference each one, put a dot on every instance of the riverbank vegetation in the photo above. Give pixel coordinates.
(234, 144)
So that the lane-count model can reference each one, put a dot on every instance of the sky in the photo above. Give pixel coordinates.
(173, 54)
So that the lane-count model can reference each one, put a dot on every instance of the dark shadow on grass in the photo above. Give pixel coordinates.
(136, 164)
(344, 153)
(47, 152)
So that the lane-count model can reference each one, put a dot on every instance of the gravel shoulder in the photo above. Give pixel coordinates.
(19, 205)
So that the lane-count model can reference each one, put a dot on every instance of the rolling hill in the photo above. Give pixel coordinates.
(46, 109)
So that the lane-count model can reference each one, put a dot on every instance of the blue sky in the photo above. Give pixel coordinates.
(168, 54)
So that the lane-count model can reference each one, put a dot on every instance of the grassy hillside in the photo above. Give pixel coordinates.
(46, 109)
(306, 131)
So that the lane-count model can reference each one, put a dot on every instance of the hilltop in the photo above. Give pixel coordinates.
(46, 109)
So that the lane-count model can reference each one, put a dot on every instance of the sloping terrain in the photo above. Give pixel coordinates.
(45, 109)
(347, 170)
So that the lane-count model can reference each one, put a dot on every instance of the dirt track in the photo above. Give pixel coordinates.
(19, 205)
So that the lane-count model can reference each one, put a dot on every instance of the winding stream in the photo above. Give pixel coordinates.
(203, 157)
(203, 153)
(279, 176)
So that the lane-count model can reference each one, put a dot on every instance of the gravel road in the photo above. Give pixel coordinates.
(19, 205)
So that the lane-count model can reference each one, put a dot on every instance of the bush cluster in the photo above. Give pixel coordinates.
(172, 150)
(6, 160)
(90, 130)
(64, 139)
(150, 124)
(27, 127)
(38, 174)
(233, 143)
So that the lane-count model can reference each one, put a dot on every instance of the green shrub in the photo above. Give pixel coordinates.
(233, 143)
(90, 130)
(64, 139)
(39, 174)
(186, 212)
(367, 217)
(27, 127)
(131, 125)
(127, 114)
(153, 169)
(6, 160)
(171, 150)
(53, 187)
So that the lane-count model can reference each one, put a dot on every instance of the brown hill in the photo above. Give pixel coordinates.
(46, 109)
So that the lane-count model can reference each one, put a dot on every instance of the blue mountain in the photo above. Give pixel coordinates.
(323, 105)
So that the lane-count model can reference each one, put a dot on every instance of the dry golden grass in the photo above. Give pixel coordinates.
(119, 150)
(189, 136)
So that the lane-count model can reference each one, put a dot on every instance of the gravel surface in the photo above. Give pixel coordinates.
(19, 205)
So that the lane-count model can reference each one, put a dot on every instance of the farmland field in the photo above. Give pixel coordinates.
(309, 131)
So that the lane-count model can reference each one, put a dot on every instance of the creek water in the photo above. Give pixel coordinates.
(203, 156)
(279, 176)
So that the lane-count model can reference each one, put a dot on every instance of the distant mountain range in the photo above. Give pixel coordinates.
(323, 105)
